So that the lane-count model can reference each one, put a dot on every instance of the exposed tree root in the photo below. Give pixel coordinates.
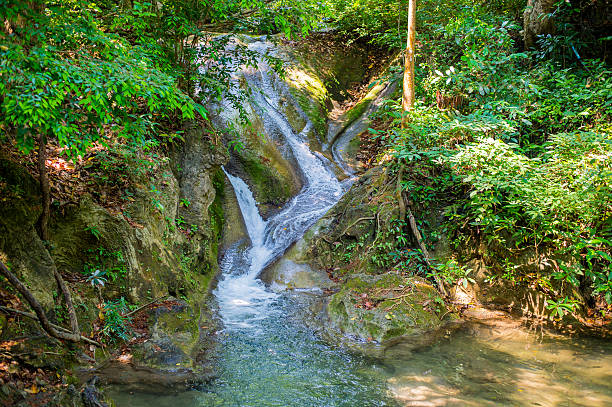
(53, 330)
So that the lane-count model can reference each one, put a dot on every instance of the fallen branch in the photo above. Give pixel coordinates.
(59, 328)
(146, 305)
(419, 238)
(404, 209)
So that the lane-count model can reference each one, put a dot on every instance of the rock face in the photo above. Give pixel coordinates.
(171, 359)
(164, 241)
(149, 254)
(20, 247)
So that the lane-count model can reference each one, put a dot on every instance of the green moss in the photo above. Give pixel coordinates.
(265, 179)
(357, 284)
(356, 111)
(359, 109)
(215, 210)
(315, 110)
(311, 95)
(390, 318)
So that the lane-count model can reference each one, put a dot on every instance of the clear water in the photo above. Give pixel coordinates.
(269, 357)
(505, 365)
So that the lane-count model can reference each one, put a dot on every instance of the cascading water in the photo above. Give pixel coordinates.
(267, 357)
(241, 297)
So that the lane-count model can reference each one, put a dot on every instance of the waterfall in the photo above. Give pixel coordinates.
(242, 298)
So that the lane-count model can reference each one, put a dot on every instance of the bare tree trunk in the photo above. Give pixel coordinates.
(408, 86)
(537, 20)
(44, 187)
(35, 305)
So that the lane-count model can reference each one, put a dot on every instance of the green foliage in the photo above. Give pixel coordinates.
(517, 143)
(453, 273)
(94, 231)
(79, 84)
(104, 263)
(86, 73)
(97, 278)
(116, 323)
(558, 309)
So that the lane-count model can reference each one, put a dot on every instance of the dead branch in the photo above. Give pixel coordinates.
(146, 305)
(404, 210)
(38, 310)
(59, 328)
(419, 238)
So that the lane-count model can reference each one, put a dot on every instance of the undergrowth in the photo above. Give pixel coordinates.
(515, 145)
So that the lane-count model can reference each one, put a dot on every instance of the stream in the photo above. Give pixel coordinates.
(268, 356)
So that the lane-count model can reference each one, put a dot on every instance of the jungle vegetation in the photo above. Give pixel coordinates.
(512, 132)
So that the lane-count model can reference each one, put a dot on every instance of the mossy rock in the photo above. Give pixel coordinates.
(270, 187)
(21, 249)
(390, 318)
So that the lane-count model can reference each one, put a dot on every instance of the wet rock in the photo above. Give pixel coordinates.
(288, 275)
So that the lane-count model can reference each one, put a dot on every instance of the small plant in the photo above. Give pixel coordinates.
(97, 278)
(115, 320)
(110, 264)
(453, 273)
(558, 309)
(155, 201)
(185, 202)
(94, 231)
(236, 145)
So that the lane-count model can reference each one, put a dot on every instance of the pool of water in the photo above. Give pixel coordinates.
(503, 364)
(285, 363)
(282, 363)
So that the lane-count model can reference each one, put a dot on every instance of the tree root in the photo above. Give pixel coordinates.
(356, 222)
(51, 329)
(59, 328)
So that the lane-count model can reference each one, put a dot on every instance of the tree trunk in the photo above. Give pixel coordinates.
(44, 187)
(408, 87)
(537, 20)
(35, 305)
(74, 322)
